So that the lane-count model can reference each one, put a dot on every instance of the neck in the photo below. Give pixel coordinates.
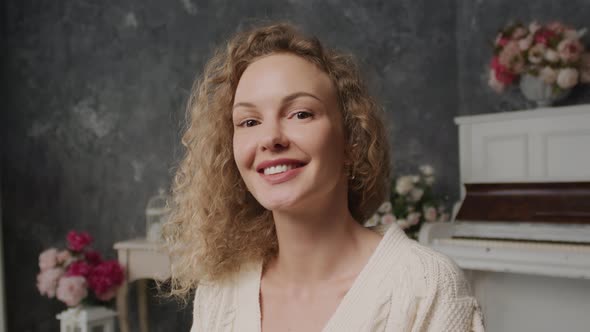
(320, 244)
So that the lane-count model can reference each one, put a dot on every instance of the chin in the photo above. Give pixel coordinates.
(279, 204)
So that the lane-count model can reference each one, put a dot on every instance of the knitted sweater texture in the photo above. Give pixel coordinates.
(404, 287)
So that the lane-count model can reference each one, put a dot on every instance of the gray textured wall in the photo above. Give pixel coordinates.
(93, 96)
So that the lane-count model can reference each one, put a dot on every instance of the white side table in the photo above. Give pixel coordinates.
(141, 260)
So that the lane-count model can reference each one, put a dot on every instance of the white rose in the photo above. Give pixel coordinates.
(536, 53)
(567, 78)
(385, 207)
(427, 170)
(551, 55)
(548, 75)
(416, 194)
(373, 221)
(403, 223)
(534, 26)
(430, 213)
(404, 184)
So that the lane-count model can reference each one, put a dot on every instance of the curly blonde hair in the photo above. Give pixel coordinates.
(216, 224)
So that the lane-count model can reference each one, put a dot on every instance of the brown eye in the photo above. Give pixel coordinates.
(249, 123)
(303, 115)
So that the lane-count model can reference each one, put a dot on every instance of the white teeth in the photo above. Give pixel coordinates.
(277, 169)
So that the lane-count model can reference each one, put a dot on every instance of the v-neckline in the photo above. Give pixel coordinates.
(363, 287)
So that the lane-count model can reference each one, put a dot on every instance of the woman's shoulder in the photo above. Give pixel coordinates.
(428, 270)
(433, 290)
(226, 288)
(440, 272)
(215, 303)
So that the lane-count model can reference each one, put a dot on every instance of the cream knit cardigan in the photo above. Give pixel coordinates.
(404, 287)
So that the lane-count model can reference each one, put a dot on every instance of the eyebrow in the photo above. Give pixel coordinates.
(285, 100)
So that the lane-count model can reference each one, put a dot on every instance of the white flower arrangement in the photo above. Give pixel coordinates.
(411, 203)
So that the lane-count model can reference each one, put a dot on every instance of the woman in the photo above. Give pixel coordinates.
(286, 157)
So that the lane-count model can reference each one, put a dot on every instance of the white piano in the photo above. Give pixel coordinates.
(522, 232)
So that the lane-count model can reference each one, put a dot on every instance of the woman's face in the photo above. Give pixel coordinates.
(288, 138)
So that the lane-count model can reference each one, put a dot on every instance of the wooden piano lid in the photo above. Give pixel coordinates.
(552, 202)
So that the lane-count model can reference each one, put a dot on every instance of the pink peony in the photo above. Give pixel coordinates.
(105, 277)
(93, 257)
(78, 241)
(48, 259)
(544, 36)
(79, 268)
(64, 257)
(47, 281)
(548, 75)
(525, 43)
(494, 83)
(72, 290)
(585, 68)
(430, 213)
(570, 50)
(501, 73)
(567, 78)
(501, 40)
(511, 57)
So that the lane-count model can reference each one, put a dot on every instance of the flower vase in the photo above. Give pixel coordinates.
(543, 94)
(87, 318)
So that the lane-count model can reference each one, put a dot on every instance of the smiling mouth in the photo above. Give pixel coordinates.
(278, 169)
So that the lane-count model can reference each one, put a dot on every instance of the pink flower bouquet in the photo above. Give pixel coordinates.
(551, 52)
(78, 273)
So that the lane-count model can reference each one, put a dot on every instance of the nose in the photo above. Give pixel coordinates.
(273, 137)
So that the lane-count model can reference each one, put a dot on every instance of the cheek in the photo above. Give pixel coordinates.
(328, 144)
(244, 151)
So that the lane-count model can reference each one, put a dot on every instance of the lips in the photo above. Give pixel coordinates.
(280, 170)
(277, 166)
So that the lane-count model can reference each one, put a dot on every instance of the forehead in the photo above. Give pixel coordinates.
(277, 75)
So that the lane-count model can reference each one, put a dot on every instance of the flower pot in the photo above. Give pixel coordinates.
(84, 318)
(543, 94)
